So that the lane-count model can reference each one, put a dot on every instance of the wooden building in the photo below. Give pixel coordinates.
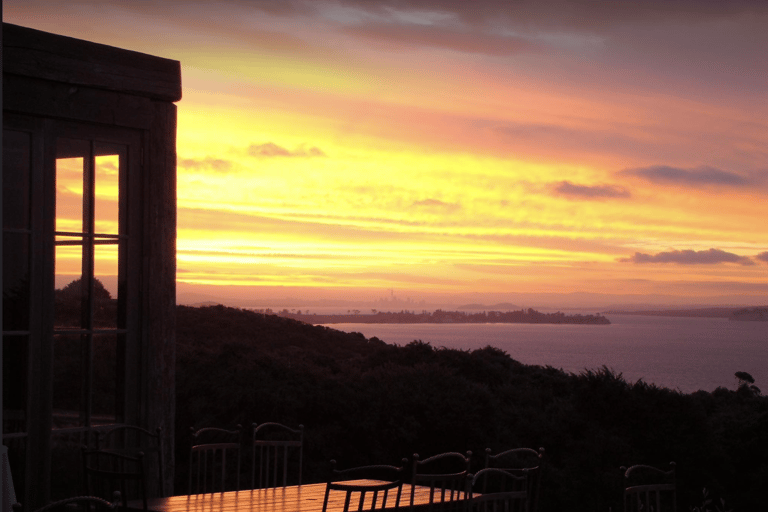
(89, 262)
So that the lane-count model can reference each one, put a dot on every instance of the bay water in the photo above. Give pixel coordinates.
(685, 354)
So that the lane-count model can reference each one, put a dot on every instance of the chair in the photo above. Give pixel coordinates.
(105, 471)
(76, 504)
(364, 488)
(502, 491)
(445, 476)
(272, 443)
(649, 489)
(211, 461)
(131, 440)
(519, 461)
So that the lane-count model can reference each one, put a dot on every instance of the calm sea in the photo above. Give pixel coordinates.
(687, 354)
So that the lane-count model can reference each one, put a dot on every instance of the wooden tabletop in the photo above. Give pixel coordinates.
(297, 498)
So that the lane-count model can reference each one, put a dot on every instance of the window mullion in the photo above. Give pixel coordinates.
(89, 189)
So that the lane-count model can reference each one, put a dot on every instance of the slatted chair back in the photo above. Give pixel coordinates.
(445, 475)
(214, 460)
(78, 504)
(364, 488)
(649, 489)
(497, 490)
(274, 448)
(521, 461)
(131, 440)
(105, 471)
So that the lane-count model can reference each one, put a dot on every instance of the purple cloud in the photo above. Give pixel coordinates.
(690, 257)
(589, 192)
(763, 256)
(436, 204)
(406, 36)
(569, 15)
(216, 164)
(270, 149)
(699, 176)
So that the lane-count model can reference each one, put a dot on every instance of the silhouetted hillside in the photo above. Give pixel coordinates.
(364, 401)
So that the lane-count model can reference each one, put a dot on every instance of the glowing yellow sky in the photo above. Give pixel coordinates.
(444, 148)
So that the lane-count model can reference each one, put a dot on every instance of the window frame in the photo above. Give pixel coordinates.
(39, 434)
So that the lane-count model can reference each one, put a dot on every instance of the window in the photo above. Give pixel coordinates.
(71, 268)
(17, 233)
(89, 319)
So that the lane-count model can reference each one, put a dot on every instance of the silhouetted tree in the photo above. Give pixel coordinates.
(747, 382)
(74, 291)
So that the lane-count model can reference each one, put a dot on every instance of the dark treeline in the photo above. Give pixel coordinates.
(364, 401)
(751, 314)
(529, 316)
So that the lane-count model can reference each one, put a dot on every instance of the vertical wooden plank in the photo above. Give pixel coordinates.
(160, 279)
(6, 482)
(40, 379)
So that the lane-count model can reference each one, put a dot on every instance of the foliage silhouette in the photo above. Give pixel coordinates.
(367, 402)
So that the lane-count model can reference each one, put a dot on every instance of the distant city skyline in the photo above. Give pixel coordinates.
(337, 150)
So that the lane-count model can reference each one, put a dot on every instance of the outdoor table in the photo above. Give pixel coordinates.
(296, 498)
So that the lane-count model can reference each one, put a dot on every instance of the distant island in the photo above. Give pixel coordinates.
(529, 316)
(714, 312)
(754, 314)
(750, 315)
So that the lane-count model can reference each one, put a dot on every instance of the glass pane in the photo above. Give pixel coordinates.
(71, 158)
(68, 311)
(104, 387)
(68, 378)
(107, 187)
(105, 285)
(15, 282)
(15, 371)
(66, 463)
(16, 162)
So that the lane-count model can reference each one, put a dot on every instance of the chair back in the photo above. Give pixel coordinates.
(131, 440)
(445, 477)
(214, 460)
(501, 491)
(105, 471)
(519, 461)
(364, 488)
(275, 447)
(78, 504)
(647, 488)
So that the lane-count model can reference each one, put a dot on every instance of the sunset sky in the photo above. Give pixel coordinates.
(456, 150)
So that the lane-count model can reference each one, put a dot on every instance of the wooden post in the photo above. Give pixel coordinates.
(160, 272)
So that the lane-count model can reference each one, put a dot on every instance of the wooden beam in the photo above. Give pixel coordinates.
(38, 54)
(25, 95)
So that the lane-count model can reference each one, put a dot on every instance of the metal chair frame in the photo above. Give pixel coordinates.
(533, 472)
(117, 469)
(367, 496)
(271, 465)
(206, 459)
(84, 502)
(118, 440)
(446, 490)
(511, 496)
(649, 497)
